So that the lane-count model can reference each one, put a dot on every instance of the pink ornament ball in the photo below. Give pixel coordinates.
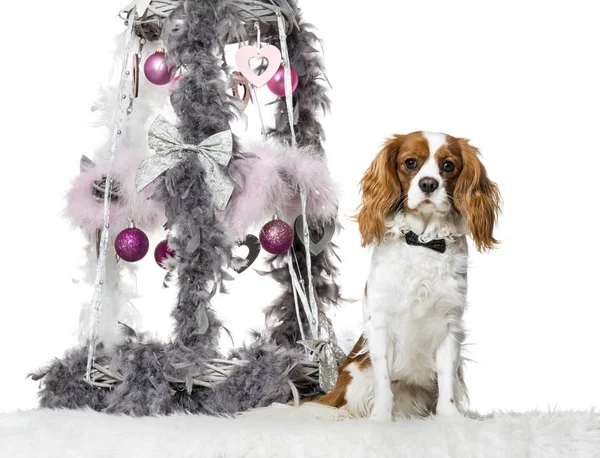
(132, 244)
(277, 84)
(276, 237)
(156, 69)
(163, 252)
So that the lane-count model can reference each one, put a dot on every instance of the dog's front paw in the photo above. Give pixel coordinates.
(381, 413)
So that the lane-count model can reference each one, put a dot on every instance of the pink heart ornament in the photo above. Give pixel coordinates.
(269, 52)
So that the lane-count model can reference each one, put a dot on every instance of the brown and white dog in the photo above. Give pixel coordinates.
(421, 196)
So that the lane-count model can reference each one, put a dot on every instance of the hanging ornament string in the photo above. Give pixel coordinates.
(125, 87)
(263, 131)
(298, 291)
(313, 316)
(287, 76)
(306, 235)
(297, 308)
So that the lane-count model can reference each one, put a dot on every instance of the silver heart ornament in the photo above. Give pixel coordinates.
(318, 246)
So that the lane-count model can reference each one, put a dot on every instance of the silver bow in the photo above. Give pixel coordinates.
(330, 354)
(214, 153)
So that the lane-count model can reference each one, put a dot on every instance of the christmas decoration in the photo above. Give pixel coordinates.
(157, 70)
(253, 244)
(115, 159)
(276, 237)
(269, 177)
(203, 177)
(162, 252)
(318, 245)
(277, 84)
(241, 80)
(213, 154)
(131, 244)
(270, 53)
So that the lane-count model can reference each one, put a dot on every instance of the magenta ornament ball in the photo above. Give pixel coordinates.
(163, 252)
(276, 237)
(277, 84)
(156, 69)
(132, 244)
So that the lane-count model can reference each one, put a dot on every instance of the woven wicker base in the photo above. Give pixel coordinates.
(217, 371)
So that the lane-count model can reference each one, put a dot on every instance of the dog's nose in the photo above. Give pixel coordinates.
(428, 185)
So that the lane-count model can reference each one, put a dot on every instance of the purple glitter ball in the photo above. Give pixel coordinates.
(132, 244)
(162, 252)
(276, 237)
(156, 69)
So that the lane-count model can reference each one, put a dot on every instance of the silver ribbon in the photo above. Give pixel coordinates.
(125, 88)
(214, 154)
(287, 77)
(330, 355)
(325, 346)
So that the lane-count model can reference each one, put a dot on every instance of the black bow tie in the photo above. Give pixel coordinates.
(438, 245)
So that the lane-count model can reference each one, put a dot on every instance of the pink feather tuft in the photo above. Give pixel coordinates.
(269, 178)
(87, 211)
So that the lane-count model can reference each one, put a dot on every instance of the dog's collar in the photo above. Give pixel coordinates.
(438, 245)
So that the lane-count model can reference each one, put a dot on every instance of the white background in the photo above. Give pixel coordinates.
(521, 79)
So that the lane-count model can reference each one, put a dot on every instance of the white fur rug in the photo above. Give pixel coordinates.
(292, 432)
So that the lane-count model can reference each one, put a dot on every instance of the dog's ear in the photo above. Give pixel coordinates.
(381, 192)
(477, 198)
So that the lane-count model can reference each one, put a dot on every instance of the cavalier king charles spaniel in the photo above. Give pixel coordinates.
(421, 196)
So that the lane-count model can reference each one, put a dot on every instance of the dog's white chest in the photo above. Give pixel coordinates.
(413, 294)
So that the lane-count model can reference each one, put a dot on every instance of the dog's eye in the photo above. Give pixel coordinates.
(448, 166)
(410, 164)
